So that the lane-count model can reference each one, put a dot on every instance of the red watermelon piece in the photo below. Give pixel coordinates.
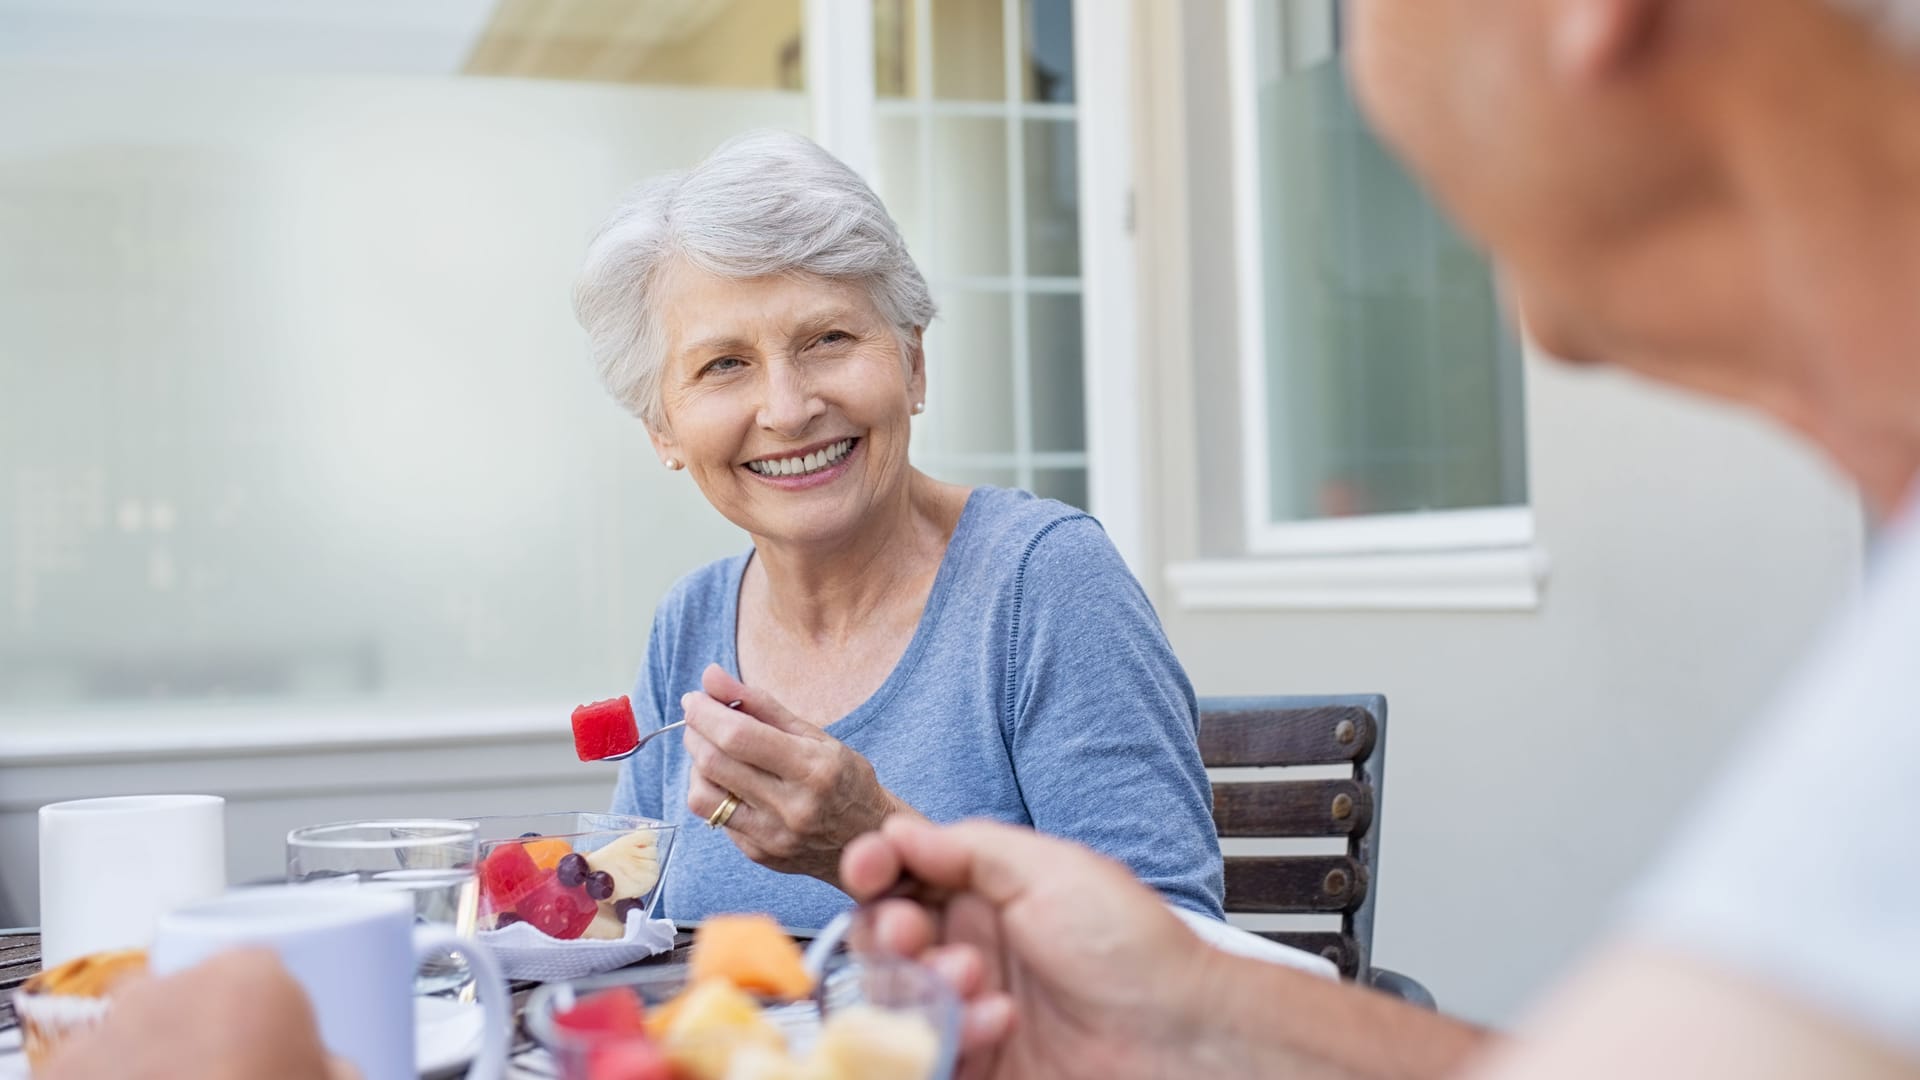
(610, 1012)
(555, 910)
(628, 1059)
(507, 874)
(605, 729)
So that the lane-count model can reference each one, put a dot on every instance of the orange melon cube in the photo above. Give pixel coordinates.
(752, 953)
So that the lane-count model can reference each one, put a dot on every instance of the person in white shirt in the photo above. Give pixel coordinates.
(1719, 194)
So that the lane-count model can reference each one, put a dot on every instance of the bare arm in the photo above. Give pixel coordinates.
(1265, 1020)
(1645, 1012)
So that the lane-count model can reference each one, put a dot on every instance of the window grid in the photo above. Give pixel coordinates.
(921, 107)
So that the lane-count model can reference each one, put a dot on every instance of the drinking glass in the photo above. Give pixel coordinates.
(429, 860)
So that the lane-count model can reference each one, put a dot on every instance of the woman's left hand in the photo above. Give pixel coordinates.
(803, 794)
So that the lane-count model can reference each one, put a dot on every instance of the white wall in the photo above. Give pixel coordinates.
(1534, 759)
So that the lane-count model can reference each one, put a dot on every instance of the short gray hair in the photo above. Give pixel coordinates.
(1896, 20)
(763, 203)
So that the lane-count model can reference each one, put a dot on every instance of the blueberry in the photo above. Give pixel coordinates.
(600, 885)
(528, 835)
(621, 907)
(505, 919)
(572, 870)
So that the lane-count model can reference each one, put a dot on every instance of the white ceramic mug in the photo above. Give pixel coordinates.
(109, 868)
(354, 952)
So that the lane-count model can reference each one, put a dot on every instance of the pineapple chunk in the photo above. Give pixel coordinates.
(711, 1023)
(862, 1042)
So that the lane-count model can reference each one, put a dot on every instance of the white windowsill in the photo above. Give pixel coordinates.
(172, 732)
(1493, 579)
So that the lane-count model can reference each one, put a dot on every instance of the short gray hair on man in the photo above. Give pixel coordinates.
(767, 202)
(1896, 20)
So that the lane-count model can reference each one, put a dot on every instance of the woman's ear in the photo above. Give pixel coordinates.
(665, 447)
(917, 368)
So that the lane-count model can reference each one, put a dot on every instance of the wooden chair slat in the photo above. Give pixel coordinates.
(1339, 948)
(1294, 884)
(1309, 735)
(1342, 807)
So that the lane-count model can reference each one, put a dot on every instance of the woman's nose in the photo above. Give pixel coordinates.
(790, 404)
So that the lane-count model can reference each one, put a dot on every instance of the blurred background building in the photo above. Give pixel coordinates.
(308, 496)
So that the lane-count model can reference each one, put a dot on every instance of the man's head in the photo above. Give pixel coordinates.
(1677, 186)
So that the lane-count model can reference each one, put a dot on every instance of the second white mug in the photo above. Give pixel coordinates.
(110, 868)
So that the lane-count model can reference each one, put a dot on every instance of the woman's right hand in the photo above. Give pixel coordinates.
(1071, 967)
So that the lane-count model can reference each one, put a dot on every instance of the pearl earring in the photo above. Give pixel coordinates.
(919, 407)
(673, 463)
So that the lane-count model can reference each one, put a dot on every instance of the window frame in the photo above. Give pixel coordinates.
(1467, 529)
(846, 109)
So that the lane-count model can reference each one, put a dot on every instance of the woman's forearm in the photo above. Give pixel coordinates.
(1254, 1018)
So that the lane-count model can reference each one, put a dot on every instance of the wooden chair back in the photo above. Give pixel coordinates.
(1349, 731)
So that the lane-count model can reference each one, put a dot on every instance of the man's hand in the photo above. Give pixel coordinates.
(1071, 968)
(239, 1016)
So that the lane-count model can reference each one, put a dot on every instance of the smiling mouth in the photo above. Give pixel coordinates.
(803, 464)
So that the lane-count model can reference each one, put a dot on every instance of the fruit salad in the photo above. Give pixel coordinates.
(717, 1028)
(564, 893)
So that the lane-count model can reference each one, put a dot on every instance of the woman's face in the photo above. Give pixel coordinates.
(786, 399)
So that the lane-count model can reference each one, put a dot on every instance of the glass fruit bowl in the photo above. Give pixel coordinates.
(570, 874)
(881, 1018)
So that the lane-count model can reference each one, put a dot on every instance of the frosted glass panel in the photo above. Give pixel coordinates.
(970, 197)
(1067, 485)
(1053, 198)
(900, 180)
(1394, 381)
(969, 377)
(1046, 46)
(1059, 396)
(291, 400)
(969, 50)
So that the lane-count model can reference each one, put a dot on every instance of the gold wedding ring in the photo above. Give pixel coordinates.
(718, 819)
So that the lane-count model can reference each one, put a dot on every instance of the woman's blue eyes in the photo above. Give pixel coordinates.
(730, 363)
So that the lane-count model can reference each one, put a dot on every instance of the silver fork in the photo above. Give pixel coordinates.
(656, 733)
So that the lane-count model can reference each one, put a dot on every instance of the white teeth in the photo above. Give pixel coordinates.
(795, 466)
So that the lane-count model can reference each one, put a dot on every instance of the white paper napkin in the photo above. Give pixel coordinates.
(526, 953)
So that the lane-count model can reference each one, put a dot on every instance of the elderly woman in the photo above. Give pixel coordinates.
(893, 643)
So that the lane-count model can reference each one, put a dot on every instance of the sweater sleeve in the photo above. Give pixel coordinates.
(1102, 723)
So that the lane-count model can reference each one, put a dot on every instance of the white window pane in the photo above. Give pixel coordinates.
(969, 377)
(900, 182)
(1393, 378)
(1067, 485)
(1053, 198)
(969, 50)
(970, 197)
(1046, 47)
(896, 53)
(1059, 396)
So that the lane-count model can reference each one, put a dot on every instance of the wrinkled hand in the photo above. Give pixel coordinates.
(803, 794)
(1070, 967)
(238, 1016)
